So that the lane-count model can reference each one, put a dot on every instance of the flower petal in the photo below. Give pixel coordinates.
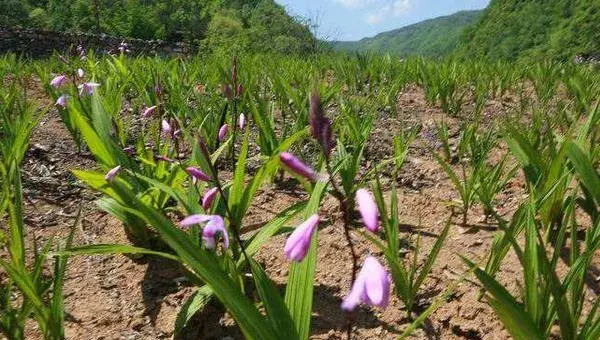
(194, 219)
(297, 166)
(368, 209)
(215, 225)
(297, 245)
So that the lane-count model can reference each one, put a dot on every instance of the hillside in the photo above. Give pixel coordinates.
(256, 25)
(535, 29)
(434, 37)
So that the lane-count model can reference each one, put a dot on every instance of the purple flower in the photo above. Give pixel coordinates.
(223, 132)
(148, 111)
(228, 92)
(62, 101)
(209, 198)
(89, 88)
(130, 150)
(368, 209)
(80, 73)
(214, 225)
(297, 245)
(166, 128)
(297, 166)
(197, 174)
(242, 121)
(239, 91)
(234, 70)
(164, 159)
(372, 287)
(58, 81)
(112, 173)
(177, 133)
(320, 125)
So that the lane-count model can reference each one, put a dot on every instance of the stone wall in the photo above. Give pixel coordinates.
(38, 43)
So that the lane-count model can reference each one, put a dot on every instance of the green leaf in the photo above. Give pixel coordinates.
(203, 263)
(518, 323)
(277, 311)
(435, 250)
(299, 292)
(194, 304)
(106, 249)
(585, 169)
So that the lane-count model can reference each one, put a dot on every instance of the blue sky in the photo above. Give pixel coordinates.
(356, 19)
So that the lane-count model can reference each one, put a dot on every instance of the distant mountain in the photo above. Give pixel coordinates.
(534, 29)
(433, 37)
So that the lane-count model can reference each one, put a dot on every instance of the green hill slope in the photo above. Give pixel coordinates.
(434, 37)
(258, 25)
(535, 29)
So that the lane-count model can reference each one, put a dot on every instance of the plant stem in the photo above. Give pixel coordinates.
(232, 223)
(343, 201)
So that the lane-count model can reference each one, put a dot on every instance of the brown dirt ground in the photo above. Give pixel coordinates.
(118, 297)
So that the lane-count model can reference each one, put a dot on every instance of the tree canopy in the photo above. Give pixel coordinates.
(258, 25)
(534, 29)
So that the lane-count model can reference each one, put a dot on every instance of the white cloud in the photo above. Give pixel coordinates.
(400, 7)
(379, 11)
(384, 10)
(356, 3)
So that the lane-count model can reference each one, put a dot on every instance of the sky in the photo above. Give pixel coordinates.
(357, 19)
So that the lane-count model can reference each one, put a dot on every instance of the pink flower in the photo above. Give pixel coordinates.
(58, 81)
(297, 245)
(112, 173)
(130, 150)
(372, 287)
(209, 198)
(368, 210)
(166, 128)
(177, 133)
(214, 225)
(239, 91)
(242, 121)
(223, 132)
(148, 111)
(62, 101)
(164, 159)
(197, 174)
(88, 88)
(297, 166)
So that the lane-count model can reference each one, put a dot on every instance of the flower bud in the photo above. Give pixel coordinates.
(320, 125)
(58, 81)
(209, 198)
(297, 166)
(223, 132)
(368, 210)
(112, 173)
(298, 244)
(242, 121)
(197, 174)
(149, 111)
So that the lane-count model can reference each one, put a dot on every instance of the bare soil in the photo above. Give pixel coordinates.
(119, 297)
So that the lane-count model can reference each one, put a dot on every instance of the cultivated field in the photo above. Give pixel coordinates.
(271, 198)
